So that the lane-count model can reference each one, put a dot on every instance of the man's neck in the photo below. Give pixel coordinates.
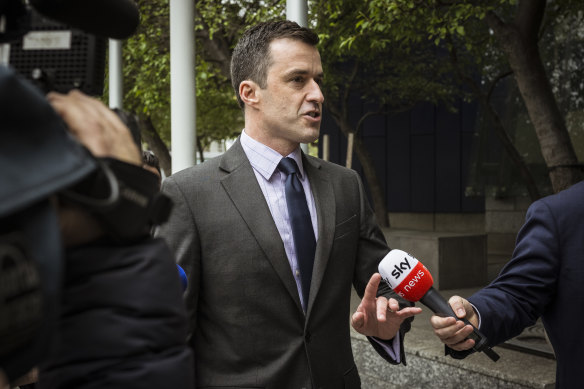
(282, 146)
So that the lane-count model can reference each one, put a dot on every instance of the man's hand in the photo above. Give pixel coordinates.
(97, 127)
(453, 332)
(378, 316)
(104, 134)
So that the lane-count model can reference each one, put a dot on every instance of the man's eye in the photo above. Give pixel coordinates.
(298, 79)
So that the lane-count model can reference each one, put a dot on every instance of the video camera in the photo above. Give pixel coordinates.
(61, 44)
(54, 45)
(56, 57)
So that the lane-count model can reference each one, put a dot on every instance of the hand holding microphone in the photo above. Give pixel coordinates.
(410, 279)
(454, 333)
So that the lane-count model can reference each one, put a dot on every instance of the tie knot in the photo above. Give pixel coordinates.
(288, 166)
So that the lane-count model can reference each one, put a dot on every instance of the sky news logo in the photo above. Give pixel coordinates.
(407, 276)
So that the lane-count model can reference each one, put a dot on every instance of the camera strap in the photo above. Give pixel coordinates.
(125, 198)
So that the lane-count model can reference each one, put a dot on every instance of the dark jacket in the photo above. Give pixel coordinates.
(544, 278)
(123, 322)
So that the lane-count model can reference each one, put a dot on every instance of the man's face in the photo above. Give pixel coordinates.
(291, 105)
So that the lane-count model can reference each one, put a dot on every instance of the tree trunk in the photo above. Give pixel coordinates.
(377, 195)
(499, 127)
(511, 150)
(200, 149)
(519, 42)
(156, 144)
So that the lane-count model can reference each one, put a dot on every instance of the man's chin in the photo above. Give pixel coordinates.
(310, 136)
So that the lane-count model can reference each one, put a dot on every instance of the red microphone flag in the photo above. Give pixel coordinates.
(407, 276)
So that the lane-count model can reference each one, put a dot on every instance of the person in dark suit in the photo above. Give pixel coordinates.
(543, 279)
(256, 320)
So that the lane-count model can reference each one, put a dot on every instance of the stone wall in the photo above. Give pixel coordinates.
(436, 237)
(503, 219)
(455, 259)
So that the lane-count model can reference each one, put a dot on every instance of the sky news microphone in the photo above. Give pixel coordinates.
(409, 278)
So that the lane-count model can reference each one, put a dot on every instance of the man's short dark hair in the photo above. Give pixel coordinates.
(251, 59)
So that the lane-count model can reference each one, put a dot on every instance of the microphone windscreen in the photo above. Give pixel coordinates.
(407, 276)
(116, 19)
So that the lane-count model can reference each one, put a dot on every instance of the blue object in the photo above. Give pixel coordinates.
(183, 277)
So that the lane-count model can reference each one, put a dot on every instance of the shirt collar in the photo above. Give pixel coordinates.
(264, 159)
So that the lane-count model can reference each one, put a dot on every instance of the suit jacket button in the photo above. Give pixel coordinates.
(307, 337)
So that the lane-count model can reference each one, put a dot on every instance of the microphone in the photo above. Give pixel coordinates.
(410, 279)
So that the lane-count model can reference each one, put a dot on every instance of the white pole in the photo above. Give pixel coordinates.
(325, 147)
(4, 47)
(116, 94)
(350, 142)
(182, 84)
(4, 53)
(297, 11)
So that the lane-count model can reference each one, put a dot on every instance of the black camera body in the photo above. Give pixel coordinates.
(56, 57)
(41, 160)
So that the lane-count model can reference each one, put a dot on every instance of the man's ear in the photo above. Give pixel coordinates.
(248, 91)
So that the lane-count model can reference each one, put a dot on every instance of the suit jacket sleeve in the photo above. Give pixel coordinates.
(372, 249)
(180, 233)
(526, 285)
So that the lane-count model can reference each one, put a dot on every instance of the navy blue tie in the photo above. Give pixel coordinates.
(302, 231)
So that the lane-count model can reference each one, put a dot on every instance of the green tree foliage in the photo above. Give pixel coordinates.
(366, 62)
(147, 70)
(218, 24)
(392, 54)
(146, 66)
(399, 74)
(488, 40)
(462, 58)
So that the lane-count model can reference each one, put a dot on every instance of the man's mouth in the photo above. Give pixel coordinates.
(313, 114)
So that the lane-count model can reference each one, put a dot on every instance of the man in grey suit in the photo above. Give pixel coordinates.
(254, 322)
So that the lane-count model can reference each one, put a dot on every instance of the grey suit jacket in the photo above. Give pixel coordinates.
(248, 328)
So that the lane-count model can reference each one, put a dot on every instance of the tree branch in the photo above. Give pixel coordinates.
(217, 50)
(496, 81)
(499, 129)
(365, 116)
(350, 81)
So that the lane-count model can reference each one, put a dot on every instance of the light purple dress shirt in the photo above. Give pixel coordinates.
(264, 162)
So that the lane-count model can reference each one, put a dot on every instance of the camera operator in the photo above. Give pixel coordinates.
(86, 295)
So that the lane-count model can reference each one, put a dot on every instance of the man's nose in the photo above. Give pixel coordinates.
(315, 93)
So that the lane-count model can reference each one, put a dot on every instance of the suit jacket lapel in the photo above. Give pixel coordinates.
(324, 199)
(242, 187)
